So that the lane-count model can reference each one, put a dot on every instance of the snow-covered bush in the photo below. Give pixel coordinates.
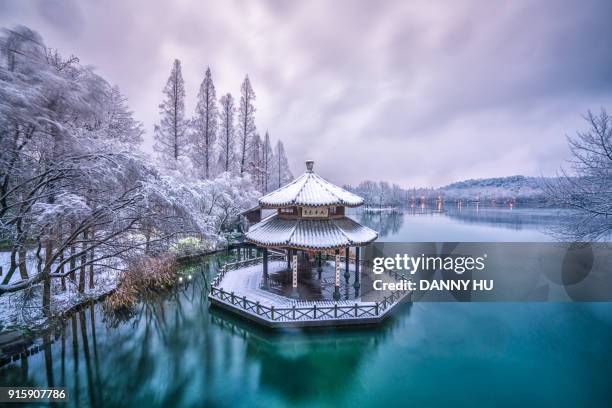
(191, 246)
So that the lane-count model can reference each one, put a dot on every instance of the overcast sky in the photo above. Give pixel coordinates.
(414, 93)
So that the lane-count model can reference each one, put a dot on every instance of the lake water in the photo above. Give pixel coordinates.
(175, 351)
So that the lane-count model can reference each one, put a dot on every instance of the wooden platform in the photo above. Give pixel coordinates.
(238, 289)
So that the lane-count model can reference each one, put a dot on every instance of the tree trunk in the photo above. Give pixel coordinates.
(91, 262)
(38, 257)
(46, 298)
(72, 263)
(12, 268)
(61, 257)
(46, 271)
(23, 268)
(83, 262)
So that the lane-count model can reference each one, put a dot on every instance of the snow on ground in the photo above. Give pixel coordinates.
(23, 308)
(247, 281)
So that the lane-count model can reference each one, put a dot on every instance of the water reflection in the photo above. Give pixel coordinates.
(384, 222)
(303, 366)
(465, 222)
(173, 351)
(511, 217)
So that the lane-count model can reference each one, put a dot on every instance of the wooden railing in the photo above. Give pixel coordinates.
(242, 264)
(313, 311)
(306, 310)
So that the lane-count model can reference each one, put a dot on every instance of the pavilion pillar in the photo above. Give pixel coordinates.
(347, 273)
(357, 285)
(288, 259)
(265, 268)
(319, 264)
(337, 286)
(294, 280)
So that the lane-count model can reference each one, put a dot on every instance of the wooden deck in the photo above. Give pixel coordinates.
(237, 288)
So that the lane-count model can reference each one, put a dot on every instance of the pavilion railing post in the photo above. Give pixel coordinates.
(347, 273)
(337, 286)
(357, 285)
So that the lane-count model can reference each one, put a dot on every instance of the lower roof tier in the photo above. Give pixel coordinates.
(310, 234)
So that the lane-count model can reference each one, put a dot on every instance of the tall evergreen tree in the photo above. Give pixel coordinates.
(246, 122)
(266, 162)
(227, 134)
(204, 126)
(255, 161)
(282, 173)
(171, 133)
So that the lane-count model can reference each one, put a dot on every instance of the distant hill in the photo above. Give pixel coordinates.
(517, 188)
(514, 188)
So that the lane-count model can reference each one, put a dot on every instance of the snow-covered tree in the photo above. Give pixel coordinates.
(254, 164)
(227, 142)
(204, 126)
(171, 137)
(281, 174)
(69, 173)
(587, 187)
(246, 122)
(74, 188)
(267, 158)
(118, 121)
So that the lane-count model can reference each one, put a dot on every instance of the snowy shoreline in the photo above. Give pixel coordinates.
(21, 311)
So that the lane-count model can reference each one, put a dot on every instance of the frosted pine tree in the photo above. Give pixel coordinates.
(254, 166)
(281, 173)
(246, 122)
(118, 119)
(204, 126)
(171, 132)
(227, 135)
(266, 163)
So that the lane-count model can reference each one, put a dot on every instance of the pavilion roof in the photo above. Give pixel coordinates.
(310, 234)
(310, 190)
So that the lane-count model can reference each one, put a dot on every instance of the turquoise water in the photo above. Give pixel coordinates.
(175, 351)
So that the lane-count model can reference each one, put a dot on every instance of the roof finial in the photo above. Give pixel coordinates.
(309, 165)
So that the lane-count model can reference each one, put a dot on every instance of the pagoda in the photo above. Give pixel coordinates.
(310, 220)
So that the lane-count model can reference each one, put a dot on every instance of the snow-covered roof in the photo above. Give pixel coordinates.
(310, 190)
(310, 234)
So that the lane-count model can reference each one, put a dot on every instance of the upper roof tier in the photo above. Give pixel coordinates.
(310, 190)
